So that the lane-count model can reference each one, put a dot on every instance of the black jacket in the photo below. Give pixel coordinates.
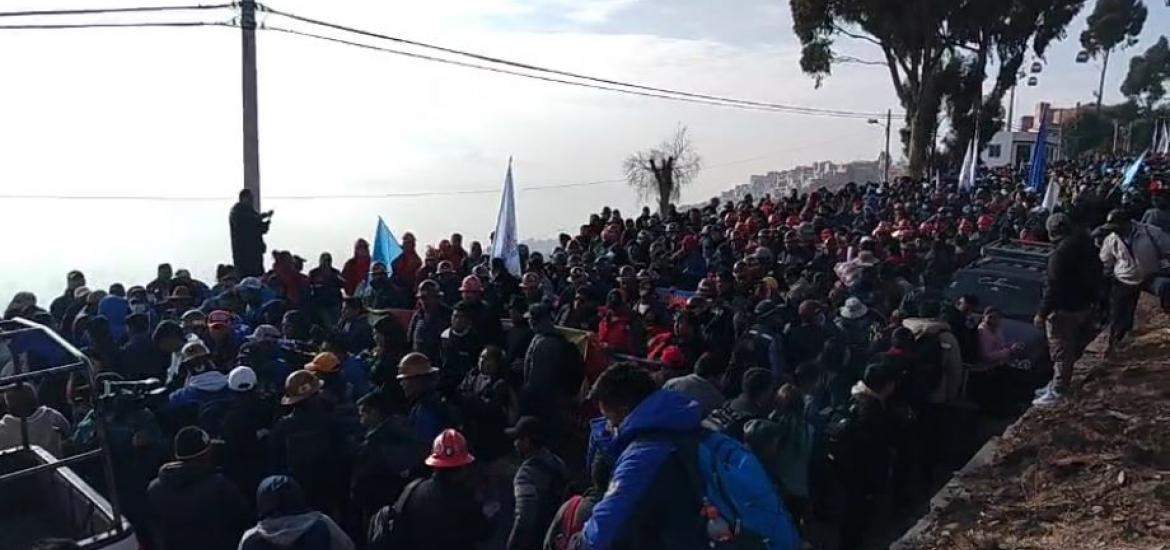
(243, 453)
(442, 515)
(141, 359)
(539, 486)
(309, 444)
(197, 509)
(426, 332)
(1074, 276)
(460, 354)
(386, 459)
(247, 232)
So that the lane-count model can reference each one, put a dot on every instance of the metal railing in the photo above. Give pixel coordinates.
(10, 329)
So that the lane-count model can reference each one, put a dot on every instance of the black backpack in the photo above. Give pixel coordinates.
(388, 528)
(841, 434)
(927, 372)
(728, 421)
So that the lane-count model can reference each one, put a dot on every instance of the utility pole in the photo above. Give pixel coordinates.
(1116, 129)
(250, 110)
(889, 119)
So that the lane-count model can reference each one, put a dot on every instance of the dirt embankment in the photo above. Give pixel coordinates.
(1094, 473)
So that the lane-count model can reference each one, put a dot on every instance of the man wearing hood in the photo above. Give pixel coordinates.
(204, 388)
(651, 503)
(356, 268)
(287, 522)
(194, 507)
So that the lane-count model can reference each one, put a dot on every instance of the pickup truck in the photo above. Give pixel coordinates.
(41, 496)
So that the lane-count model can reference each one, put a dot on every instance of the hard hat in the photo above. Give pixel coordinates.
(299, 386)
(194, 350)
(471, 284)
(449, 451)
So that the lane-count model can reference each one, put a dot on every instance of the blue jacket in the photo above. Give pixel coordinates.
(652, 502)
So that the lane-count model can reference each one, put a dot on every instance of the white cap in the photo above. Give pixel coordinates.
(242, 379)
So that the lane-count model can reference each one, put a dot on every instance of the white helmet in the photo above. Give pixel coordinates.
(242, 379)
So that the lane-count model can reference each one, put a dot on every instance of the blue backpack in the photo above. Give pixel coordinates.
(735, 483)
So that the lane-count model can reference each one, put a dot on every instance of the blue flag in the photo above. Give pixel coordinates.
(1039, 165)
(386, 247)
(1132, 171)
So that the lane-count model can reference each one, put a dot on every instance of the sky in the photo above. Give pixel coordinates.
(156, 112)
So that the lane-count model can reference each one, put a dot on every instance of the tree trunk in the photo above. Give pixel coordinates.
(665, 190)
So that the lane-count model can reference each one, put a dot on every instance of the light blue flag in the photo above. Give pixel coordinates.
(505, 245)
(386, 247)
(1132, 171)
(1039, 165)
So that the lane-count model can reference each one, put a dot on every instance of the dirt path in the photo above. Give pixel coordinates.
(1094, 473)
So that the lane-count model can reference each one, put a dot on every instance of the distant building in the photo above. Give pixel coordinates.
(1014, 148)
(811, 176)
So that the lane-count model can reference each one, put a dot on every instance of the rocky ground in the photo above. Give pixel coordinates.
(1093, 473)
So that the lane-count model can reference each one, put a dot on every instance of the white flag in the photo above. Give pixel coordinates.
(1165, 146)
(505, 245)
(1051, 195)
(970, 163)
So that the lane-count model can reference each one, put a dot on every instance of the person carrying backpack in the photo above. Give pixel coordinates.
(539, 485)
(441, 512)
(570, 518)
(755, 402)
(675, 485)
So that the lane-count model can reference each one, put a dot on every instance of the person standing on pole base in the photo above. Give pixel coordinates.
(248, 228)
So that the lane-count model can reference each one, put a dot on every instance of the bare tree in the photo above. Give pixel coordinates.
(661, 172)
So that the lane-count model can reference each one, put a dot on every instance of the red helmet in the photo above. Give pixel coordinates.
(792, 221)
(449, 451)
(904, 224)
(471, 284)
(775, 220)
(905, 234)
(826, 234)
(926, 228)
(984, 222)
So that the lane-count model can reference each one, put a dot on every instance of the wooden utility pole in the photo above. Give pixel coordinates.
(250, 105)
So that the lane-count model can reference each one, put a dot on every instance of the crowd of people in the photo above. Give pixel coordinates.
(296, 410)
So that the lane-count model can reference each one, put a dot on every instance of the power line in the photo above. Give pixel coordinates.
(113, 25)
(538, 68)
(541, 77)
(91, 11)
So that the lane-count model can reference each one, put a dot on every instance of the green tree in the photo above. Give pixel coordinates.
(1113, 24)
(926, 42)
(661, 172)
(1148, 73)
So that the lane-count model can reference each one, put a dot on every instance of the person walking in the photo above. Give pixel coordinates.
(1071, 287)
(1130, 254)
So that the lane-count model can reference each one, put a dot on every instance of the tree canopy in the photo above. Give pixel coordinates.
(935, 50)
(661, 172)
(1148, 74)
(1113, 23)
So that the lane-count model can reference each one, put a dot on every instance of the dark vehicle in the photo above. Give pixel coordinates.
(1010, 276)
(43, 497)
